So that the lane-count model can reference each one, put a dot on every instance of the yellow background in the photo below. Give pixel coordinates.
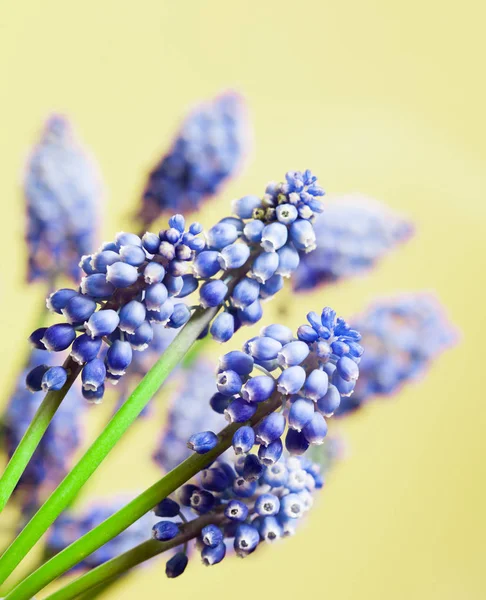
(379, 97)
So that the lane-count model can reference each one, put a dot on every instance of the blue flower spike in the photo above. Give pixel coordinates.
(265, 237)
(130, 286)
(311, 372)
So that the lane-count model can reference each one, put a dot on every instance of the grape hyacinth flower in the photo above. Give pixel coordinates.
(353, 234)
(247, 513)
(62, 191)
(402, 336)
(188, 412)
(315, 369)
(130, 284)
(51, 461)
(71, 525)
(206, 152)
(271, 233)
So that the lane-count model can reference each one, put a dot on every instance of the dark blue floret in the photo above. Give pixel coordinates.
(176, 565)
(253, 468)
(167, 508)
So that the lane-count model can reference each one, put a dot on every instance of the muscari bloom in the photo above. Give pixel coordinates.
(353, 234)
(188, 412)
(131, 282)
(246, 511)
(207, 150)
(311, 372)
(402, 336)
(72, 525)
(266, 238)
(62, 191)
(51, 460)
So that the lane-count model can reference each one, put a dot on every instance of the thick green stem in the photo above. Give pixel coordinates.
(33, 435)
(94, 456)
(112, 569)
(122, 519)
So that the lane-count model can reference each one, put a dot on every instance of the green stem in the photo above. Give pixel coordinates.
(94, 456)
(39, 321)
(194, 352)
(121, 564)
(33, 435)
(133, 511)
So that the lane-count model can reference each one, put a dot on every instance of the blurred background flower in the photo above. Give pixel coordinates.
(207, 150)
(63, 195)
(353, 234)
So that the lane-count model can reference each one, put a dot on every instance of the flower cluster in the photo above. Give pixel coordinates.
(207, 150)
(401, 336)
(352, 235)
(51, 461)
(188, 412)
(273, 231)
(129, 284)
(70, 526)
(62, 191)
(316, 369)
(248, 509)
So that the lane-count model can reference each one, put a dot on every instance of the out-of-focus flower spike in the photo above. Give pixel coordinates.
(353, 234)
(401, 337)
(62, 190)
(188, 412)
(72, 525)
(207, 151)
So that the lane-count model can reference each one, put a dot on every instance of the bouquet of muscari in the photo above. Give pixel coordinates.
(246, 446)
